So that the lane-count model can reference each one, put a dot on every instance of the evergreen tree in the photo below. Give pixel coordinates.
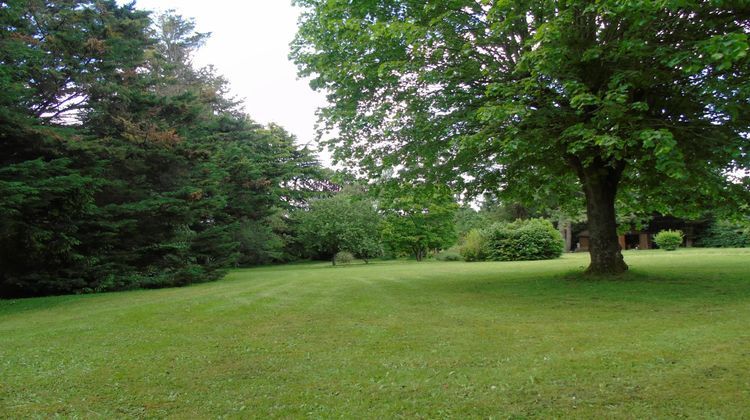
(124, 166)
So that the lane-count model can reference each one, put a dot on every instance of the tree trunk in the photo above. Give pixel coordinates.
(600, 186)
(564, 226)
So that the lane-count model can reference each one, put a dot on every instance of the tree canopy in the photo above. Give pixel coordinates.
(121, 164)
(639, 105)
(418, 218)
(347, 221)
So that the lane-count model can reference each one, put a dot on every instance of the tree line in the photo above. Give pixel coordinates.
(122, 164)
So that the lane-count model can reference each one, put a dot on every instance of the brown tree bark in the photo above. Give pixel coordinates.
(418, 253)
(600, 182)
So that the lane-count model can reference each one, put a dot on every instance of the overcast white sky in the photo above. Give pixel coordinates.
(249, 46)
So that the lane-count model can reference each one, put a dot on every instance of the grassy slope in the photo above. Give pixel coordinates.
(396, 339)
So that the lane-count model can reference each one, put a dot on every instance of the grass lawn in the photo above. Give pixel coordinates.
(434, 339)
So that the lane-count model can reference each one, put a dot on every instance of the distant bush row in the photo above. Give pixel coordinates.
(533, 239)
(724, 234)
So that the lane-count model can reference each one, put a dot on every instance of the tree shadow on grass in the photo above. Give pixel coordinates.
(14, 306)
(632, 286)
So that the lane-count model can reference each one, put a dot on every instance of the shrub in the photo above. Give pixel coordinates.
(367, 248)
(534, 239)
(473, 247)
(451, 254)
(343, 257)
(726, 235)
(669, 240)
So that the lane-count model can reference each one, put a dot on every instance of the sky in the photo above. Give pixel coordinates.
(249, 45)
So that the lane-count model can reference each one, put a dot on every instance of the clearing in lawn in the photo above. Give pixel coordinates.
(434, 339)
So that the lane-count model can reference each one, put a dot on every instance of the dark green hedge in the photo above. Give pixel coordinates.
(726, 235)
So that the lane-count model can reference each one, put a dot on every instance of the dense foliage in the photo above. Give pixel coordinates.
(343, 257)
(418, 218)
(474, 246)
(521, 240)
(723, 234)
(450, 254)
(533, 239)
(624, 103)
(669, 240)
(347, 221)
(122, 165)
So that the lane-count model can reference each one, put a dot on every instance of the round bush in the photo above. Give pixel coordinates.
(534, 239)
(668, 240)
(449, 255)
(343, 257)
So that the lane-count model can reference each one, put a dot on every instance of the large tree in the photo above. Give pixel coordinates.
(636, 104)
(121, 164)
